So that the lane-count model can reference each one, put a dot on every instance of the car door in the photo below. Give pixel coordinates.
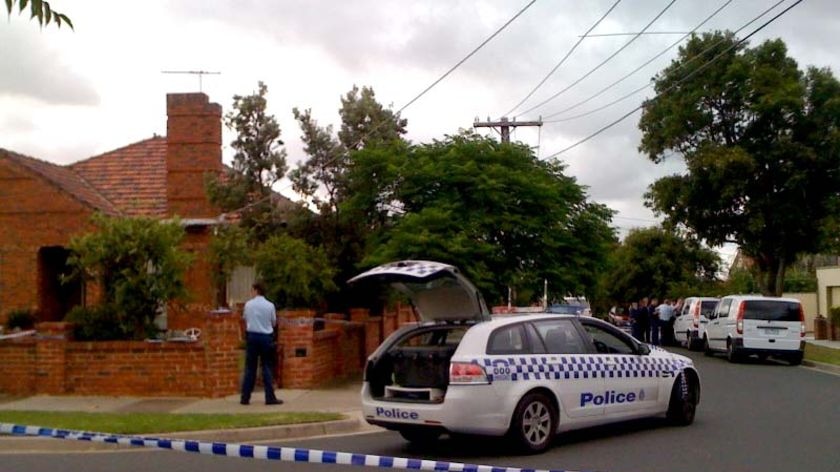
(716, 327)
(631, 380)
(575, 373)
(681, 325)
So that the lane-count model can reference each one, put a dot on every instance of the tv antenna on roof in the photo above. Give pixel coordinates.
(199, 73)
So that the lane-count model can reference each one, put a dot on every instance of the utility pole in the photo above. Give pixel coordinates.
(504, 124)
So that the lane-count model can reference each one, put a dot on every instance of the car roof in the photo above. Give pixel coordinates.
(763, 298)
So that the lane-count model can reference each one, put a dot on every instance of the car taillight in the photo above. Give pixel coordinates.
(697, 315)
(801, 322)
(739, 323)
(467, 373)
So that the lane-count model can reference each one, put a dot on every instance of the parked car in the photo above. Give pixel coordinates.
(568, 309)
(524, 376)
(744, 325)
(694, 313)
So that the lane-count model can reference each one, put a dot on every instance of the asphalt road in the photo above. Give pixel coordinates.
(760, 416)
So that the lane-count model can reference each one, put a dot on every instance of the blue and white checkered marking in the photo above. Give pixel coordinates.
(418, 269)
(577, 367)
(285, 454)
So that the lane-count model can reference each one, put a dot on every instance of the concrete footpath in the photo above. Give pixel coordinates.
(343, 399)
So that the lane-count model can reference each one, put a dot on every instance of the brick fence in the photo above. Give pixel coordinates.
(313, 352)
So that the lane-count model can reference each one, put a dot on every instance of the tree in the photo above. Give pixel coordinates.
(494, 210)
(761, 143)
(295, 274)
(139, 265)
(657, 262)
(40, 10)
(258, 163)
(322, 178)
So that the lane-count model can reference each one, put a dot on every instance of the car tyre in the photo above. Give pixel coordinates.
(732, 354)
(683, 404)
(707, 350)
(534, 423)
(795, 359)
(420, 435)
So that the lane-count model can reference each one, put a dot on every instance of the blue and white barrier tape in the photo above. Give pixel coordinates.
(285, 454)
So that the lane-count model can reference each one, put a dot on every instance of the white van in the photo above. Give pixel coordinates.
(743, 325)
(694, 313)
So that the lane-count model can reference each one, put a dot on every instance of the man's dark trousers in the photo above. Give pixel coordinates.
(259, 347)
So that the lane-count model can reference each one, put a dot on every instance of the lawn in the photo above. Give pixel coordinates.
(822, 354)
(146, 423)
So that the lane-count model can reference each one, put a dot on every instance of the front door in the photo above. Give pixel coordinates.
(632, 381)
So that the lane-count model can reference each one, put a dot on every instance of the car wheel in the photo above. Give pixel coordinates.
(732, 354)
(534, 423)
(688, 342)
(707, 350)
(762, 357)
(420, 435)
(795, 359)
(683, 404)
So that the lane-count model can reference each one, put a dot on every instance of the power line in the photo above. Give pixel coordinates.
(569, 53)
(646, 33)
(410, 102)
(679, 82)
(608, 59)
(468, 56)
(649, 84)
(637, 69)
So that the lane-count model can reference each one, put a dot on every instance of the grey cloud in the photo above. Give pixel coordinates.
(30, 69)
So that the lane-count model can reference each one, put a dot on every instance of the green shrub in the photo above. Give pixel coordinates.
(834, 315)
(21, 318)
(295, 274)
(98, 323)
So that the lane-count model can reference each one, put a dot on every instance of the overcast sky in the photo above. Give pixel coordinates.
(68, 95)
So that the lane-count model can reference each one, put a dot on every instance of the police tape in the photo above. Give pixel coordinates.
(19, 334)
(284, 454)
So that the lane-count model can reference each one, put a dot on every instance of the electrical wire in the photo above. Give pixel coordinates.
(675, 84)
(608, 59)
(681, 66)
(568, 53)
(637, 69)
(410, 102)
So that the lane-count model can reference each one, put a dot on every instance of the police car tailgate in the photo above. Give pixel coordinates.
(466, 408)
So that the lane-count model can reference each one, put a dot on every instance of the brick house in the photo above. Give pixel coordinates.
(42, 205)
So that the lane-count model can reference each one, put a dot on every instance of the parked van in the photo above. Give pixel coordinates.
(743, 325)
(695, 312)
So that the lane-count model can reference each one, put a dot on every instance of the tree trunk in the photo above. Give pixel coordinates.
(772, 276)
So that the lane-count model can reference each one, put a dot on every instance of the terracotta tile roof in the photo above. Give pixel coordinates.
(65, 179)
(132, 177)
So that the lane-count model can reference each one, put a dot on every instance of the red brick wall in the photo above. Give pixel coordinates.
(55, 366)
(33, 214)
(193, 148)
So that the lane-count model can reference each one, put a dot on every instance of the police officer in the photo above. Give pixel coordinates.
(260, 319)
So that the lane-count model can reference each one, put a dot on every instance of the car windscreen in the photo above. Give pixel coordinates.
(771, 310)
(708, 307)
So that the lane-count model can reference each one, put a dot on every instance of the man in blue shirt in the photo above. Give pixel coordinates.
(260, 318)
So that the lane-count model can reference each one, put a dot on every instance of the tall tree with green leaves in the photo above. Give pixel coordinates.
(259, 162)
(503, 216)
(40, 10)
(323, 181)
(658, 262)
(761, 143)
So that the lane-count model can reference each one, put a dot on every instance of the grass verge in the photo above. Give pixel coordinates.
(145, 423)
(822, 354)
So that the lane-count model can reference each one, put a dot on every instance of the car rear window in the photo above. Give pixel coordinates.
(771, 310)
(708, 307)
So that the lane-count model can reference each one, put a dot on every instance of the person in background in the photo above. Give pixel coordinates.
(640, 320)
(653, 321)
(664, 325)
(260, 319)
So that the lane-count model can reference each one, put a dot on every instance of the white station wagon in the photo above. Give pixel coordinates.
(526, 376)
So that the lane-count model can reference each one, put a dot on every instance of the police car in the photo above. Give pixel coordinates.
(528, 376)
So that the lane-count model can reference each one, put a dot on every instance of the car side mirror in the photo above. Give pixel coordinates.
(643, 349)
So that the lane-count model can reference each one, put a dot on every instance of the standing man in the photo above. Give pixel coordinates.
(260, 319)
(666, 313)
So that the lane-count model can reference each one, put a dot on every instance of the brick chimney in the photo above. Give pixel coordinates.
(193, 149)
